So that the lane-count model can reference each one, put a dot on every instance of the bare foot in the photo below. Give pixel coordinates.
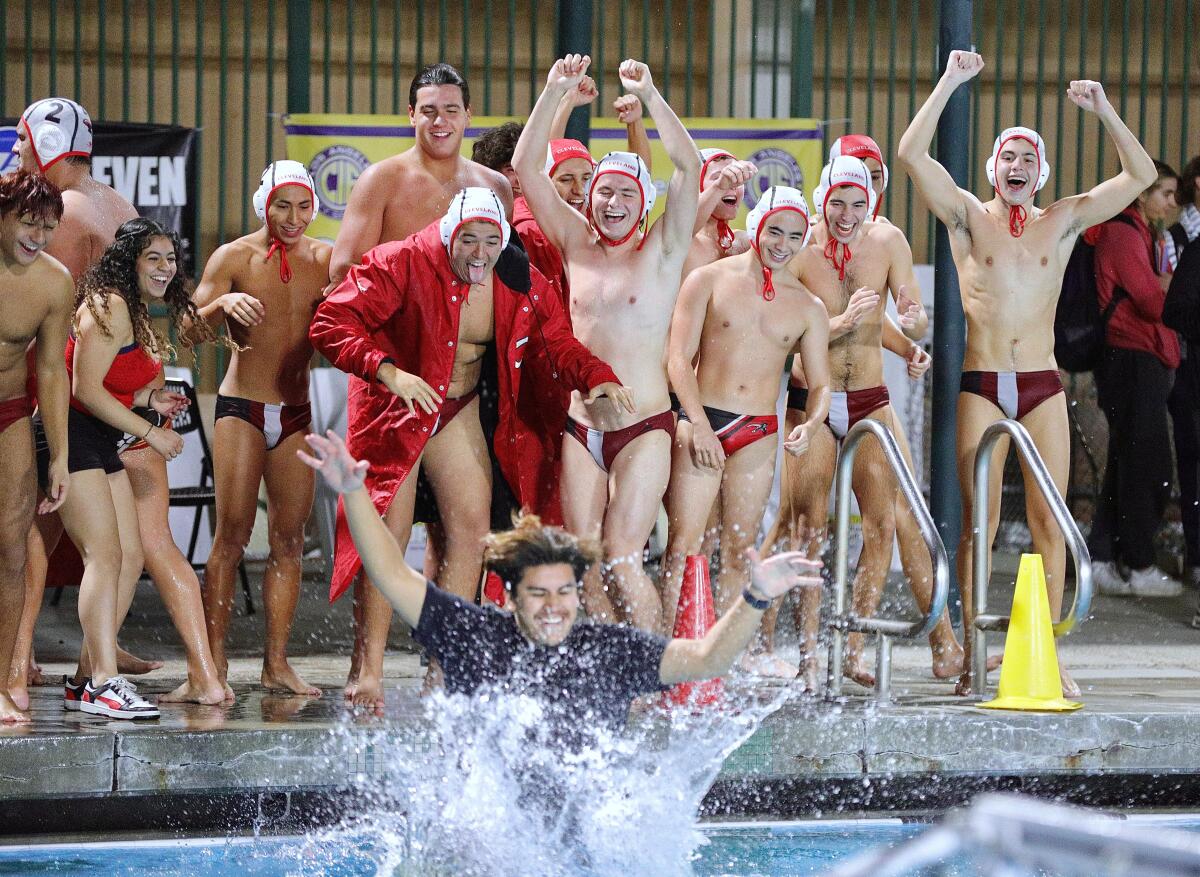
(19, 695)
(1069, 686)
(281, 677)
(368, 693)
(229, 697)
(854, 670)
(964, 687)
(11, 714)
(948, 662)
(766, 664)
(34, 676)
(131, 665)
(209, 695)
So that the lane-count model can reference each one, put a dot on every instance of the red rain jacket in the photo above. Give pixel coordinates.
(403, 301)
(543, 255)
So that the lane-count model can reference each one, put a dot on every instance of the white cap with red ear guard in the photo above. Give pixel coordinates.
(282, 173)
(1030, 136)
(775, 200)
(57, 127)
(859, 146)
(474, 204)
(708, 156)
(626, 164)
(844, 170)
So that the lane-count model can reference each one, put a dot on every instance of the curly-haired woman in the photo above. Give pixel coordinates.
(114, 358)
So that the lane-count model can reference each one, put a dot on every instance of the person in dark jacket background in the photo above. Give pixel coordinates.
(1133, 382)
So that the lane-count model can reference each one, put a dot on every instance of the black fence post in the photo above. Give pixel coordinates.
(299, 54)
(575, 35)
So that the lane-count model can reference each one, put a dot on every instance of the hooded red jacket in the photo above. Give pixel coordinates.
(403, 301)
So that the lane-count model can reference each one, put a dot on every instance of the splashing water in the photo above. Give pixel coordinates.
(484, 790)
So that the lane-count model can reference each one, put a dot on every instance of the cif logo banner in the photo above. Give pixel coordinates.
(338, 148)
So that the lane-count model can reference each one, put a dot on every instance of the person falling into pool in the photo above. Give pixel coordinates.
(541, 648)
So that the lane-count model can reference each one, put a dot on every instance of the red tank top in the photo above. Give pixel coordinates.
(131, 370)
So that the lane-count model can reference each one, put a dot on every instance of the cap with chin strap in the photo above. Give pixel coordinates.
(844, 170)
(625, 164)
(862, 147)
(57, 127)
(474, 204)
(775, 200)
(564, 150)
(1016, 213)
(725, 236)
(278, 174)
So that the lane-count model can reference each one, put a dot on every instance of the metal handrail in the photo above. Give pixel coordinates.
(981, 548)
(842, 621)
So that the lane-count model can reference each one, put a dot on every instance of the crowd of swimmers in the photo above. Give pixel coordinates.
(520, 339)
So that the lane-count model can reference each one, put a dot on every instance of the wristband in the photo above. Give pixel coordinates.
(382, 363)
(760, 605)
(150, 398)
(148, 431)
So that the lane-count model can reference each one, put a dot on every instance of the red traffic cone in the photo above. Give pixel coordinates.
(493, 589)
(693, 619)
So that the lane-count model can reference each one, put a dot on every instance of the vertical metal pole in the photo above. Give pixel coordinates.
(949, 329)
(883, 669)
(299, 52)
(804, 13)
(575, 36)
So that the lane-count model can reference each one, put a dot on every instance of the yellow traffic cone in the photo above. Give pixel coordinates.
(1029, 677)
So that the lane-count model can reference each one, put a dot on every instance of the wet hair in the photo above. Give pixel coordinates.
(438, 74)
(116, 274)
(1187, 182)
(495, 147)
(530, 543)
(27, 192)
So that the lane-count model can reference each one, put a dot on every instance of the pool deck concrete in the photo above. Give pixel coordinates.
(1138, 662)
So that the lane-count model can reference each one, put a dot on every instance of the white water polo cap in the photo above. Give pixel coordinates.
(57, 127)
(708, 156)
(474, 204)
(1030, 136)
(625, 164)
(845, 170)
(278, 174)
(776, 199)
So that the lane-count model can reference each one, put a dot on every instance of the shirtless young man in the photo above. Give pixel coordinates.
(264, 287)
(36, 298)
(741, 317)
(623, 289)
(54, 138)
(848, 260)
(1010, 258)
(714, 238)
(393, 199)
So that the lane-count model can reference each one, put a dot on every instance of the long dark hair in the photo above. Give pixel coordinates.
(530, 543)
(116, 274)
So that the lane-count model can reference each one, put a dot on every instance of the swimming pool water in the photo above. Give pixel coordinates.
(733, 850)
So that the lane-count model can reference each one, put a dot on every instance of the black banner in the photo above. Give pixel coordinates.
(151, 166)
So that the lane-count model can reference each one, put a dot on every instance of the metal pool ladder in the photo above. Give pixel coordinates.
(981, 549)
(886, 629)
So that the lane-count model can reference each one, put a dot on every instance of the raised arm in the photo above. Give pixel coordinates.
(579, 96)
(562, 225)
(362, 225)
(382, 556)
(629, 113)
(1138, 173)
(686, 660)
(933, 181)
(683, 192)
(214, 296)
(687, 327)
(53, 391)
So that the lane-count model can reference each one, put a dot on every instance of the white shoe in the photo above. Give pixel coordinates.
(1153, 582)
(116, 698)
(1107, 579)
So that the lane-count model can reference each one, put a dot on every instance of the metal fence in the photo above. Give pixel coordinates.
(233, 67)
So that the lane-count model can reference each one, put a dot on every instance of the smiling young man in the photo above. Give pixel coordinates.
(36, 297)
(1010, 257)
(411, 323)
(264, 288)
(740, 317)
(586, 674)
(623, 287)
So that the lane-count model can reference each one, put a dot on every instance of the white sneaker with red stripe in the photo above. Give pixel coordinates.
(116, 698)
